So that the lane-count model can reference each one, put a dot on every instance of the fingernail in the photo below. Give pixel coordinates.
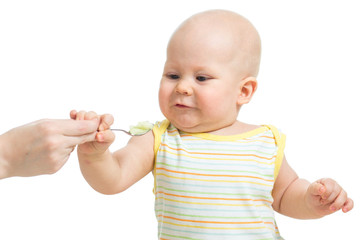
(333, 208)
(100, 137)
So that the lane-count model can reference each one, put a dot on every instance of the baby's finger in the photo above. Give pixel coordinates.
(73, 114)
(80, 115)
(339, 201)
(106, 121)
(332, 189)
(105, 136)
(334, 194)
(349, 204)
(316, 189)
(90, 115)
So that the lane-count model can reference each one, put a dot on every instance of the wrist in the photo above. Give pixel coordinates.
(90, 157)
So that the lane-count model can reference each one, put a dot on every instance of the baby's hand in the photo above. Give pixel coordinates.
(103, 139)
(326, 196)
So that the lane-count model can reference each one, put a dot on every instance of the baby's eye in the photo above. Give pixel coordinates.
(201, 78)
(173, 76)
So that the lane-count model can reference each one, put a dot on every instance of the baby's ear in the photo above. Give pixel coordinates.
(247, 89)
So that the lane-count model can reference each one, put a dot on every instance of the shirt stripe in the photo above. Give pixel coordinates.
(214, 187)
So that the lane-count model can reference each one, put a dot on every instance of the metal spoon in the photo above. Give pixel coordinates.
(129, 133)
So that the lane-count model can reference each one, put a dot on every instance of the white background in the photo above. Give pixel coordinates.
(107, 56)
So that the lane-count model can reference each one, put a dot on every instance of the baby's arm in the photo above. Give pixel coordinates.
(298, 198)
(111, 173)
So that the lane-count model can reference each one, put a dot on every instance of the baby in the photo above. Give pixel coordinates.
(215, 177)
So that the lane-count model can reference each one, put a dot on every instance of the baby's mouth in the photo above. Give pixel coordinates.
(181, 106)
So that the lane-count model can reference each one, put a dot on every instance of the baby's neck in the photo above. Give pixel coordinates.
(234, 129)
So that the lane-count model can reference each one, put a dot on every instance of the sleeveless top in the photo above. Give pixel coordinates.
(216, 187)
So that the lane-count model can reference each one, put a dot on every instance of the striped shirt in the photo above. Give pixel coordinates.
(216, 187)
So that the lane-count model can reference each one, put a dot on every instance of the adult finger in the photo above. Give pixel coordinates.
(71, 127)
(72, 141)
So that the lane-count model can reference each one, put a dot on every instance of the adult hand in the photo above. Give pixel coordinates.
(42, 147)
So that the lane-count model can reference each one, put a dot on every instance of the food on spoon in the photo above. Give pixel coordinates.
(141, 128)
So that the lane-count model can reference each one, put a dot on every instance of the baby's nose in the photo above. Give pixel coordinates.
(184, 87)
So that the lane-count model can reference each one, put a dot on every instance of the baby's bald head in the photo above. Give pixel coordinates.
(230, 35)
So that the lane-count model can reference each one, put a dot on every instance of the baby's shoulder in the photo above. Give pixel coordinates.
(249, 127)
(236, 128)
(241, 127)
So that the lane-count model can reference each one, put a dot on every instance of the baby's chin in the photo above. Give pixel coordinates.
(213, 127)
(193, 128)
(186, 126)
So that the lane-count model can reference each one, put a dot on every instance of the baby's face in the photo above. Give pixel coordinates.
(200, 83)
